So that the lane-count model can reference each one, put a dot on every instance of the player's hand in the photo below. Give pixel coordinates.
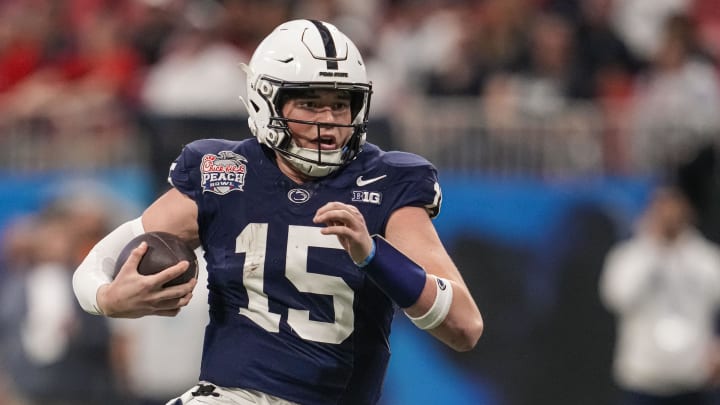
(132, 295)
(348, 224)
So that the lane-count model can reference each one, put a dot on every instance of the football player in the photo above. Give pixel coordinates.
(312, 236)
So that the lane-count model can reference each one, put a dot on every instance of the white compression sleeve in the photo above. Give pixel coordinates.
(99, 265)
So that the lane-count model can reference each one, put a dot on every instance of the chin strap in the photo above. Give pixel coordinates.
(304, 160)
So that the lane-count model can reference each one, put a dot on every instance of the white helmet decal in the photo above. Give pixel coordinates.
(305, 55)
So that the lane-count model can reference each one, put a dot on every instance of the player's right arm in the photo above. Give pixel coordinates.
(129, 294)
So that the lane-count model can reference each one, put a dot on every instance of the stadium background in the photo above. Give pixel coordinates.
(548, 120)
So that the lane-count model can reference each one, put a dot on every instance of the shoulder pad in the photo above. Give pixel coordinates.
(404, 159)
(205, 145)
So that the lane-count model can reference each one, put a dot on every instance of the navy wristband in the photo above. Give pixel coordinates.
(398, 277)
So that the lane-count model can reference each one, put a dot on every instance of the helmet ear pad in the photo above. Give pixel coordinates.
(262, 114)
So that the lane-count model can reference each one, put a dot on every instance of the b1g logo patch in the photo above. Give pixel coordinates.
(223, 173)
(372, 197)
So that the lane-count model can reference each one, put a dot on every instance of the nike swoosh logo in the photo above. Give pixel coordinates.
(363, 182)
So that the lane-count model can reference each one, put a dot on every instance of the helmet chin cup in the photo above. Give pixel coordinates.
(302, 160)
(305, 55)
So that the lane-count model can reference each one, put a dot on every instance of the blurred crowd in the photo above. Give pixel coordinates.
(52, 352)
(70, 68)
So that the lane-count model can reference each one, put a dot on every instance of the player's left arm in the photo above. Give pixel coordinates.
(411, 231)
(405, 265)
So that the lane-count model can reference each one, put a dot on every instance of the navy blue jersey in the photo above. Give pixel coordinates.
(290, 314)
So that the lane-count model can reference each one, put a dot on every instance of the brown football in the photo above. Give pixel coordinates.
(164, 250)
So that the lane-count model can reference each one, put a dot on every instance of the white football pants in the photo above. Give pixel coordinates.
(210, 394)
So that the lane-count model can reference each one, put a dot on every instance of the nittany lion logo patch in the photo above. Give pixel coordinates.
(223, 173)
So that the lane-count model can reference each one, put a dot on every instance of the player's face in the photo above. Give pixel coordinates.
(325, 107)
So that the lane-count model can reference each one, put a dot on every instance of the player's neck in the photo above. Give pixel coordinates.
(291, 171)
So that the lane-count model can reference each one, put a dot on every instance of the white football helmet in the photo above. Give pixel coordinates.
(305, 55)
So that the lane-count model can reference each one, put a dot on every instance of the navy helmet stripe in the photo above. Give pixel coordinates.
(330, 51)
